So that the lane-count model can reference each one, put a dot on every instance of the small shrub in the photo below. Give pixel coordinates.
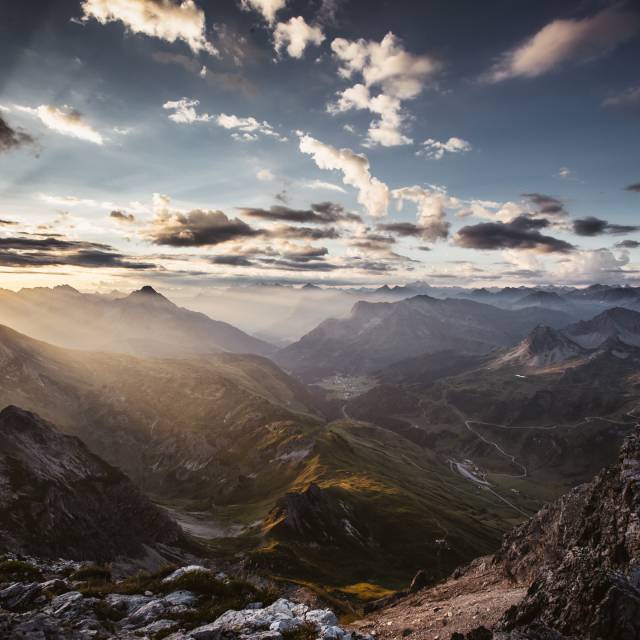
(305, 631)
(18, 570)
(92, 573)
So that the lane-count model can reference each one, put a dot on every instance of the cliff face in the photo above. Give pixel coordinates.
(583, 556)
(59, 499)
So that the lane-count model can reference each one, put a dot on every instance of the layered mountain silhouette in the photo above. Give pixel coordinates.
(142, 323)
(57, 499)
(617, 322)
(376, 335)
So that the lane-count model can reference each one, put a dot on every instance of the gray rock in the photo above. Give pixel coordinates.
(147, 613)
(324, 617)
(182, 571)
(185, 598)
(126, 603)
(19, 595)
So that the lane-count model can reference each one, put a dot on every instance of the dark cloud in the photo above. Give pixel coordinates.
(287, 232)
(628, 244)
(7, 222)
(297, 265)
(37, 251)
(521, 233)
(319, 213)
(232, 261)
(198, 228)
(547, 205)
(305, 254)
(633, 187)
(11, 138)
(401, 228)
(592, 226)
(121, 216)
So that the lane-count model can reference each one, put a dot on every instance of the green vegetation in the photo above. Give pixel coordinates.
(93, 573)
(18, 570)
(306, 631)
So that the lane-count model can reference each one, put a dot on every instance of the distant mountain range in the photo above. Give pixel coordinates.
(142, 323)
(57, 499)
(376, 335)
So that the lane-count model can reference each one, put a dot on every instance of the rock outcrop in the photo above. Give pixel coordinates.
(59, 499)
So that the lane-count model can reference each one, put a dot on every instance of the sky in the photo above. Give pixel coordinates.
(193, 143)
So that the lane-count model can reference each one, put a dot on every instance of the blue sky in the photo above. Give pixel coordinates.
(193, 143)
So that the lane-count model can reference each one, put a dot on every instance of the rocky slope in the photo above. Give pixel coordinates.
(58, 499)
(376, 335)
(571, 571)
(618, 322)
(543, 347)
(143, 323)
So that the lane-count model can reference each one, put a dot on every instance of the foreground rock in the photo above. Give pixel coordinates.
(66, 603)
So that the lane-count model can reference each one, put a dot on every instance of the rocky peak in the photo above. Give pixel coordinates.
(59, 499)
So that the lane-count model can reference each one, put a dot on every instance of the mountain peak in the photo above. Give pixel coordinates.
(148, 294)
(543, 347)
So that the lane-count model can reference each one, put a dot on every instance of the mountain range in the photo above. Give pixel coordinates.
(142, 323)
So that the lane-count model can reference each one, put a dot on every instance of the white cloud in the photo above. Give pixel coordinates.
(436, 150)
(247, 129)
(373, 194)
(320, 185)
(268, 8)
(185, 112)
(627, 99)
(264, 175)
(432, 209)
(65, 121)
(597, 265)
(165, 19)
(566, 40)
(386, 65)
(296, 35)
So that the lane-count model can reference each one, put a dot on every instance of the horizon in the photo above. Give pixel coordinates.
(436, 143)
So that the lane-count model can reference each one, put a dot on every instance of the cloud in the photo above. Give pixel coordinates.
(373, 194)
(328, 186)
(267, 8)
(629, 99)
(295, 35)
(566, 40)
(247, 129)
(633, 187)
(599, 265)
(121, 216)
(436, 150)
(231, 260)
(7, 223)
(405, 229)
(591, 226)
(264, 175)
(386, 65)
(288, 232)
(546, 205)
(431, 205)
(65, 121)
(628, 244)
(11, 139)
(244, 129)
(197, 228)
(521, 233)
(184, 111)
(319, 213)
(32, 250)
(167, 20)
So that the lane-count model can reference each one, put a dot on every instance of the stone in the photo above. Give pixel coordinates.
(19, 595)
(182, 571)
